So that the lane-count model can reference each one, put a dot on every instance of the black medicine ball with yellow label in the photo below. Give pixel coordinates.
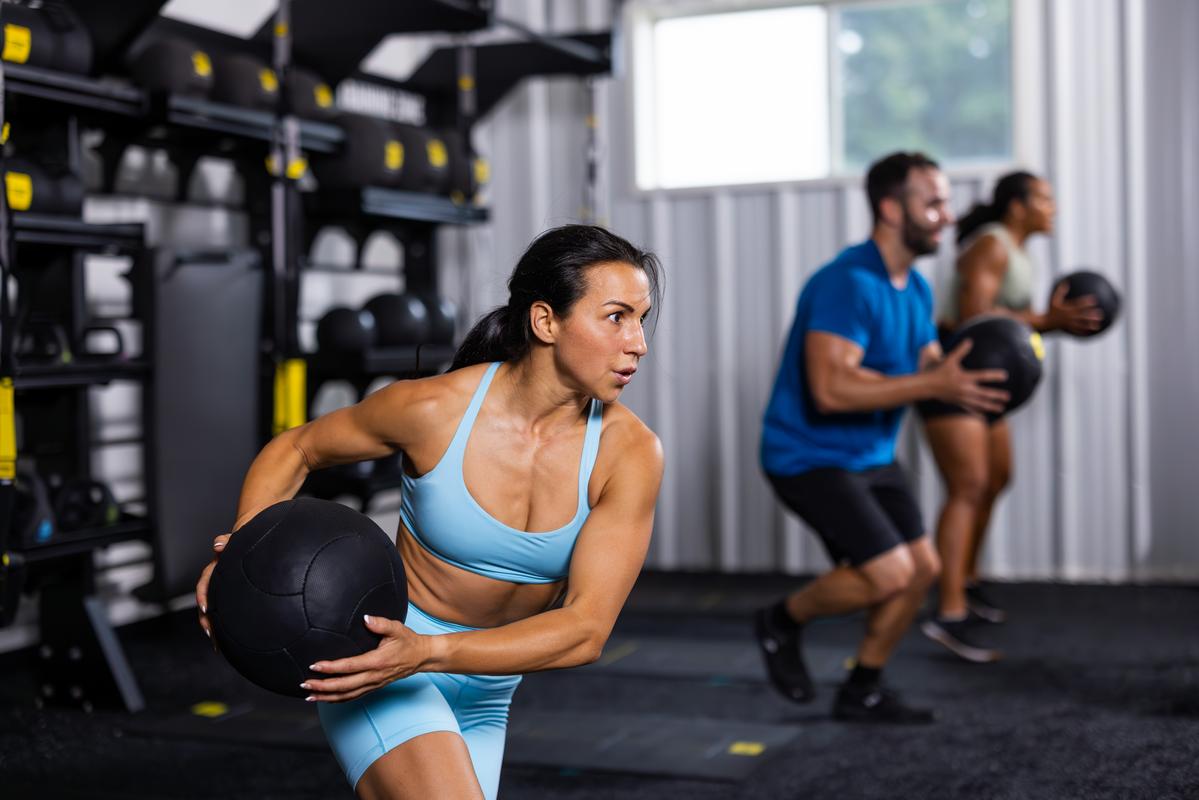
(468, 173)
(427, 159)
(48, 36)
(310, 96)
(175, 65)
(243, 80)
(997, 342)
(35, 189)
(373, 154)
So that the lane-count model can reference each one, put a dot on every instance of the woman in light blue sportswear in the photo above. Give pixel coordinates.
(528, 502)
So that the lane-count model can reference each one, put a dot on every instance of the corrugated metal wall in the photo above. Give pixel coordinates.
(1100, 490)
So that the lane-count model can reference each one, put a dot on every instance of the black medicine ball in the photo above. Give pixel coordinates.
(443, 318)
(1085, 282)
(292, 586)
(401, 319)
(344, 330)
(1003, 343)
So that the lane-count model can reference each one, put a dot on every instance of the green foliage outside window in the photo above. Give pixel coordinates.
(932, 76)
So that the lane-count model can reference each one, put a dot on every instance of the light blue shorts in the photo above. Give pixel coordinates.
(473, 706)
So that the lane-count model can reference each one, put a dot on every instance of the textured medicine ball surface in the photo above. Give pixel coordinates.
(291, 588)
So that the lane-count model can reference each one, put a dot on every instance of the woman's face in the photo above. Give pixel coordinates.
(603, 339)
(1040, 208)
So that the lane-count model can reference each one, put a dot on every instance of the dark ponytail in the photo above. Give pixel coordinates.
(1008, 189)
(552, 270)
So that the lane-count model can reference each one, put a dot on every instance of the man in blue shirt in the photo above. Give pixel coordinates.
(862, 347)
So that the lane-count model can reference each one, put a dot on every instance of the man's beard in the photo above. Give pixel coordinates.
(919, 240)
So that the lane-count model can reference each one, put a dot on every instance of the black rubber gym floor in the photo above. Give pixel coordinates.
(1098, 697)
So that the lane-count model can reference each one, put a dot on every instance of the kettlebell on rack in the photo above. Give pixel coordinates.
(82, 503)
(43, 342)
(93, 344)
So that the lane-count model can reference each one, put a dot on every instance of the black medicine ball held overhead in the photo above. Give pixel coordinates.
(1086, 282)
(292, 586)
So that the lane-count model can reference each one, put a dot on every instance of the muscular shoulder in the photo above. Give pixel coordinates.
(418, 405)
(844, 282)
(986, 254)
(628, 441)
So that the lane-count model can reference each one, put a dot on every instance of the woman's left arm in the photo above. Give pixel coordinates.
(604, 566)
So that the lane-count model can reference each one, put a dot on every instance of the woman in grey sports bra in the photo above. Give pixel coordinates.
(973, 455)
(534, 491)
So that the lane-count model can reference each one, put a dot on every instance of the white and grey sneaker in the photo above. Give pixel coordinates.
(957, 637)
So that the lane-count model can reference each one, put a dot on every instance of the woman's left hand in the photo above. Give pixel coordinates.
(400, 654)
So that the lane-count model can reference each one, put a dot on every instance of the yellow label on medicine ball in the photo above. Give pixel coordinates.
(297, 168)
(201, 63)
(323, 95)
(393, 155)
(210, 709)
(435, 149)
(1038, 345)
(18, 41)
(268, 79)
(20, 191)
(482, 171)
(746, 749)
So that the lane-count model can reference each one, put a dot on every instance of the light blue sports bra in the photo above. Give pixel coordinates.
(447, 521)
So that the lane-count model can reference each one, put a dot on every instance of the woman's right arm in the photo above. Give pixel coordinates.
(368, 430)
(373, 428)
(981, 270)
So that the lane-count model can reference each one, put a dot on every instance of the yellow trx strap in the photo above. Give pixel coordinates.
(291, 397)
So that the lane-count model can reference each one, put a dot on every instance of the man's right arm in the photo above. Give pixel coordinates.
(840, 384)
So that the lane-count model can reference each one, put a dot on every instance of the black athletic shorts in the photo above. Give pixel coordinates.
(857, 515)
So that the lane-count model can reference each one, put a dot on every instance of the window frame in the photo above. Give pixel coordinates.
(1028, 82)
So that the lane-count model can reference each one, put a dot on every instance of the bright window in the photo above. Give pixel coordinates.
(792, 92)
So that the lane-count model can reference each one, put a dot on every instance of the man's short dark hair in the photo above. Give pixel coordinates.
(887, 176)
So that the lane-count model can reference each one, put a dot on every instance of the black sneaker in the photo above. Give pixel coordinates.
(958, 637)
(979, 605)
(876, 704)
(784, 661)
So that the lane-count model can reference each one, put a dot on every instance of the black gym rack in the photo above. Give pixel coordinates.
(80, 660)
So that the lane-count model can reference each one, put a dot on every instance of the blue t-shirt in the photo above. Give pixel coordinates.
(852, 297)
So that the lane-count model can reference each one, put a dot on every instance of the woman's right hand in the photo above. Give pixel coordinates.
(218, 545)
(1078, 316)
(968, 387)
